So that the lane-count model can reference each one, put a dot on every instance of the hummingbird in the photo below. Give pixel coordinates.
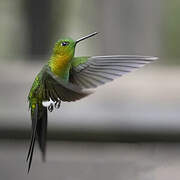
(68, 78)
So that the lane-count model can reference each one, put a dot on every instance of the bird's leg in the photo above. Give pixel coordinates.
(57, 104)
(51, 107)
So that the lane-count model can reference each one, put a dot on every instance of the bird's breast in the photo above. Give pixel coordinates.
(60, 65)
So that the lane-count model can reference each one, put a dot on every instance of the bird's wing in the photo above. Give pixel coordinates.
(90, 72)
(57, 89)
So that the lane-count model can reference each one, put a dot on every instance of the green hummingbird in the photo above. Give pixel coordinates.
(68, 78)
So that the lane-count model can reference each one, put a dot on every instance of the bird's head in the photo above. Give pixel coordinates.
(66, 46)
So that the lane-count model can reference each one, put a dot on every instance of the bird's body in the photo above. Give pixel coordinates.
(67, 78)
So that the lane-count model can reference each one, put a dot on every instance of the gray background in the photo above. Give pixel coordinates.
(121, 117)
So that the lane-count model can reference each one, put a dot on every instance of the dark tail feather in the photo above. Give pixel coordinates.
(34, 117)
(39, 131)
(42, 131)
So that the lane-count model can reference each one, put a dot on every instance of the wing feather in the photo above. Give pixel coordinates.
(56, 89)
(98, 70)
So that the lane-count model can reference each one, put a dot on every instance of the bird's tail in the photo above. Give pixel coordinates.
(39, 131)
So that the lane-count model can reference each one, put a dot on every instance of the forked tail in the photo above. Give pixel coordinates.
(39, 131)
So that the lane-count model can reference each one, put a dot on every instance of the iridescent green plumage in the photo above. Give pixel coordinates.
(67, 78)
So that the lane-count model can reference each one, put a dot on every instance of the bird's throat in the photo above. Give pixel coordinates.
(60, 66)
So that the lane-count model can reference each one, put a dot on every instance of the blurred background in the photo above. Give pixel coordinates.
(105, 135)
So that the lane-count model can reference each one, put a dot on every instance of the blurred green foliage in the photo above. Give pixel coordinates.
(125, 26)
(171, 30)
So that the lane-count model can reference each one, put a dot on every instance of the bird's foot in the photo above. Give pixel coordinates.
(57, 104)
(51, 107)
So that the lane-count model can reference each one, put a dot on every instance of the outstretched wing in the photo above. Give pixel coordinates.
(58, 90)
(90, 72)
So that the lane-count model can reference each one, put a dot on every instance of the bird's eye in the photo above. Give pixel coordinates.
(64, 43)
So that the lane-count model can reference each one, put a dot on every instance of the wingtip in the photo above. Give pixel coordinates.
(152, 58)
(88, 91)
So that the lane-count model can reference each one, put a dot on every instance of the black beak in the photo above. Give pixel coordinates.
(86, 37)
